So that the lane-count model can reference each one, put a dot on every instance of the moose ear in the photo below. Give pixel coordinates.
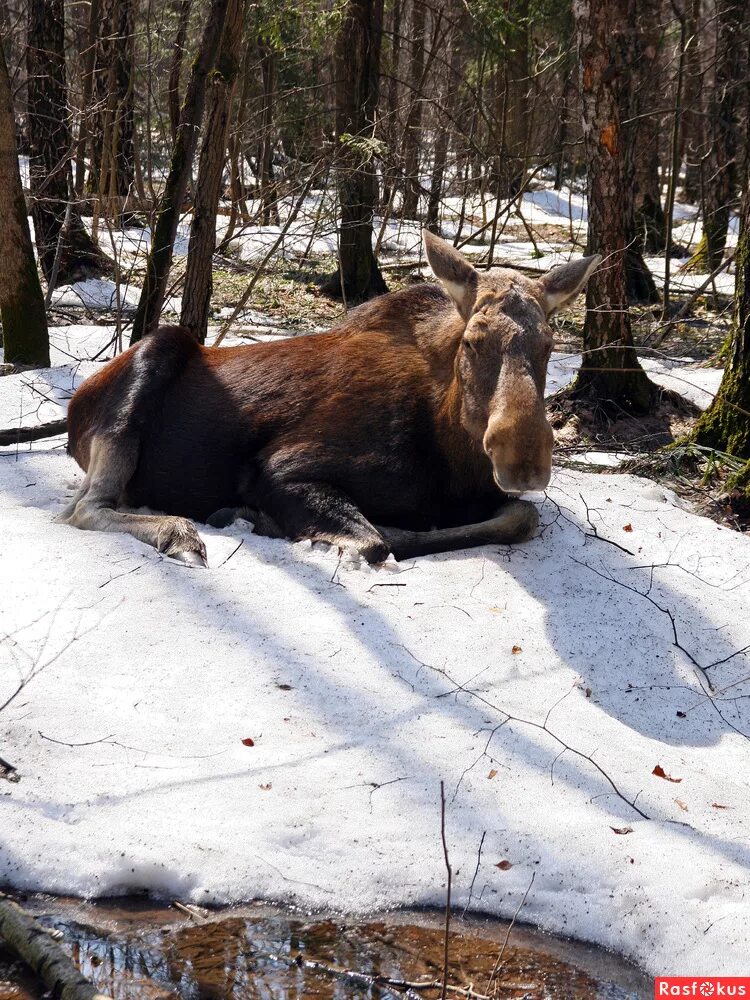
(561, 285)
(453, 271)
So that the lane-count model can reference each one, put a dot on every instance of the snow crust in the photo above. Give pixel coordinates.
(362, 689)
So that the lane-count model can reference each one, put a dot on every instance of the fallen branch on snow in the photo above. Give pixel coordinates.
(48, 960)
(19, 435)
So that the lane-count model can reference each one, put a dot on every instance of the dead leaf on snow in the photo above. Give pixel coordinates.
(503, 865)
(492, 773)
(517, 649)
(621, 829)
(682, 805)
(661, 773)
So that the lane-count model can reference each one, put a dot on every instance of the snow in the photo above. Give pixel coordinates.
(699, 385)
(362, 689)
(96, 293)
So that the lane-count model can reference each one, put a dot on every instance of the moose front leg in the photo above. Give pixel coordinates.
(516, 522)
(320, 512)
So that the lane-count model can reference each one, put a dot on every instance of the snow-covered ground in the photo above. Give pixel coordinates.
(278, 726)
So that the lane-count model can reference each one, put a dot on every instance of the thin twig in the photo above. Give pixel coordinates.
(448, 893)
(476, 872)
(510, 928)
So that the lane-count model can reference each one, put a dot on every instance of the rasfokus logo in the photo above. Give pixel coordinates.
(702, 986)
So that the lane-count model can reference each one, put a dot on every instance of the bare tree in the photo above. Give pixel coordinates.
(511, 120)
(51, 145)
(25, 336)
(196, 299)
(357, 70)
(726, 423)
(162, 244)
(182, 10)
(413, 129)
(610, 371)
(112, 152)
(719, 169)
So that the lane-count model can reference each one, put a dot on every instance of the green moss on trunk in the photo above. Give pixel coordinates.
(726, 423)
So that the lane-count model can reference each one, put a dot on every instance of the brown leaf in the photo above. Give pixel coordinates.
(248, 742)
(717, 805)
(621, 829)
(661, 773)
(682, 715)
(588, 692)
(284, 687)
(517, 649)
(681, 804)
(266, 788)
(492, 773)
(627, 527)
(503, 865)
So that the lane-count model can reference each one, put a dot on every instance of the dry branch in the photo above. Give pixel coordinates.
(20, 435)
(48, 960)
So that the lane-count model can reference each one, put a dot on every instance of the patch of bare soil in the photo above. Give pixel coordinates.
(660, 450)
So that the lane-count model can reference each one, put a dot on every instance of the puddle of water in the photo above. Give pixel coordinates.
(133, 950)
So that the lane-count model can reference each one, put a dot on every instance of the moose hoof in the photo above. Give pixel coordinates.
(517, 521)
(179, 539)
(222, 518)
(374, 552)
(194, 559)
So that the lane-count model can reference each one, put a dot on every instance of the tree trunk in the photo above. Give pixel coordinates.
(112, 150)
(692, 136)
(357, 71)
(512, 101)
(88, 61)
(48, 960)
(630, 45)
(720, 169)
(413, 129)
(237, 140)
(182, 9)
(268, 195)
(726, 423)
(196, 299)
(649, 220)
(162, 244)
(25, 336)
(448, 76)
(610, 372)
(51, 151)
(392, 118)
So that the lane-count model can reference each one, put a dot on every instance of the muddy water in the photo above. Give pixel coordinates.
(135, 951)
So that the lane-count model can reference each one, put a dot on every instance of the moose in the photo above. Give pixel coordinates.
(410, 428)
